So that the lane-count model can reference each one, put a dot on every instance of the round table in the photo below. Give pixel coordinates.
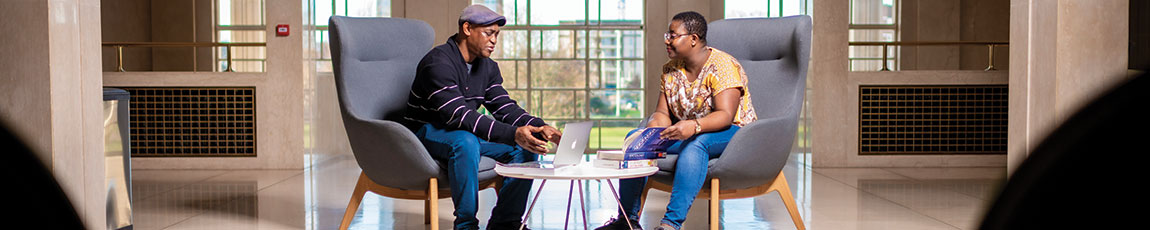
(576, 173)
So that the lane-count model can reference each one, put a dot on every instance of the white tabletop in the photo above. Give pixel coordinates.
(582, 171)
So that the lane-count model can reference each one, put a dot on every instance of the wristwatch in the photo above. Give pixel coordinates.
(698, 126)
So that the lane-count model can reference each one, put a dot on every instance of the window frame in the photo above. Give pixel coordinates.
(893, 52)
(805, 8)
(218, 61)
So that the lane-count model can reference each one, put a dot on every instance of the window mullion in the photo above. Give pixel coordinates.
(530, 52)
(587, 56)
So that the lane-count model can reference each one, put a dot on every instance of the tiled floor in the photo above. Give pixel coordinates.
(314, 198)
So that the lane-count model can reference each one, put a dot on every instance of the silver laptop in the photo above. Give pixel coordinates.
(573, 143)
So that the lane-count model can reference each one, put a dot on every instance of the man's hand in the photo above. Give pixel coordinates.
(551, 134)
(524, 138)
(680, 131)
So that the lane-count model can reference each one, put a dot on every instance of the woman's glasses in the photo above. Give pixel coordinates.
(672, 36)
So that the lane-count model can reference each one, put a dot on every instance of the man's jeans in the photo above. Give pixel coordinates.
(690, 173)
(462, 151)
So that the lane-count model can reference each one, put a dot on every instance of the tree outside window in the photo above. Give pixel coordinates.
(575, 60)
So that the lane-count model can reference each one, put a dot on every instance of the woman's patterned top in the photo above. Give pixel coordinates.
(692, 100)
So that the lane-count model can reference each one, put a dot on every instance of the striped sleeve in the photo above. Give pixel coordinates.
(441, 95)
(502, 107)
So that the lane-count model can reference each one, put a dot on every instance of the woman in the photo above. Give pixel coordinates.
(703, 103)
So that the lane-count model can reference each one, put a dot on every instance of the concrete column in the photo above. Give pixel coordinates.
(51, 93)
(828, 79)
(442, 15)
(1063, 55)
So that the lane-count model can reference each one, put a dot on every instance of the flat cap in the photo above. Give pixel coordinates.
(481, 15)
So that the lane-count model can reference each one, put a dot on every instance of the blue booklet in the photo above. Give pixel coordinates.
(647, 140)
(619, 155)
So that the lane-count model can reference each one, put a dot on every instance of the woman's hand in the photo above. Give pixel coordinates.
(680, 131)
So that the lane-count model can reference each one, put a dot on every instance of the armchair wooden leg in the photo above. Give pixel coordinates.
(780, 185)
(427, 210)
(356, 197)
(432, 213)
(714, 203)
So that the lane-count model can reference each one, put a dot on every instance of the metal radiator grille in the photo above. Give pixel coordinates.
(193, 122)
(932, 119)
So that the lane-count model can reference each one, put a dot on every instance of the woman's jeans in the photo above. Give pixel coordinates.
(690, 173)
(462, 151)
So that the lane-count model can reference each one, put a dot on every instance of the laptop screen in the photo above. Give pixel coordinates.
(574, 143)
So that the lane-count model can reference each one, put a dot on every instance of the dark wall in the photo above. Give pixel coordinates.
(126, 21)
(1140, 35)
(157, 21)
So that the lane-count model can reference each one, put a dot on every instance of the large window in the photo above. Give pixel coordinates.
(575, 60)
(324, 9)
(873, 21)
(240, 21)
(766, 8)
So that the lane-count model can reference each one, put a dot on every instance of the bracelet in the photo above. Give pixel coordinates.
(698, 126)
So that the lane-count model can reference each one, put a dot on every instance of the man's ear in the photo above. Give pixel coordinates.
(466, 27)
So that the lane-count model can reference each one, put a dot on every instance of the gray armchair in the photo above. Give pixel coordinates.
(774, 53)
(374, 61)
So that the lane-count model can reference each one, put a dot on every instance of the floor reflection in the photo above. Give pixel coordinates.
(315, 198)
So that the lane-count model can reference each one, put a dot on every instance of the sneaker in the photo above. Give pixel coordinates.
(665, 227)
(619, 224)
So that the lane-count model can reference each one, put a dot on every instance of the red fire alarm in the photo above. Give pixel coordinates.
(282, 30)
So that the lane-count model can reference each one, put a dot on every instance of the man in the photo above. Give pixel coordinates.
(451, 82)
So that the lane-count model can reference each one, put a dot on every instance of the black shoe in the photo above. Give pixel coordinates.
(506, 226)
(619, 224)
